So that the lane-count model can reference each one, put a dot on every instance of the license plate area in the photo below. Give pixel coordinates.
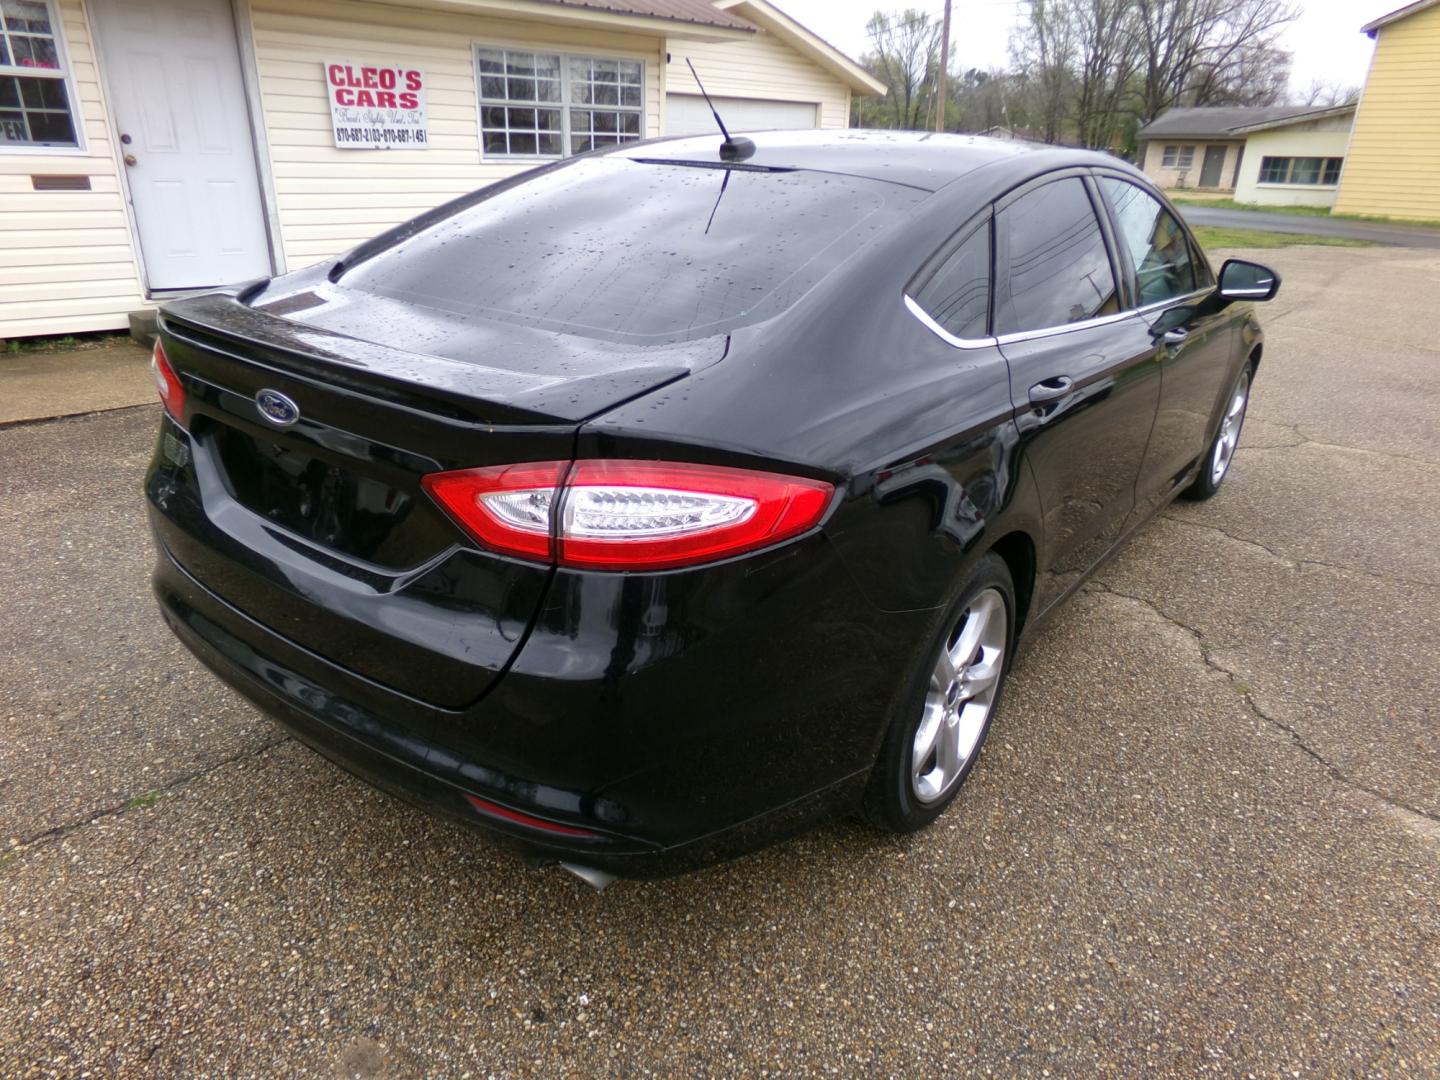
(325, 502)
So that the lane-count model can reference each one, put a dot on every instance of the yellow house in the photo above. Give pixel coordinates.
(1394, 155)
(154, 147)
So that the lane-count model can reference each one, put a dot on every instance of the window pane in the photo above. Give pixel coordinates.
(4, 52)
(958, 296)
(492, 87)
(606, 95)
(492, 61)
(1156, 242)
(630, 72)
(34, 52)
(37, 112)
(52, 129)
(1306, 170)
(1058, 269)
(552, 145)
(1273, 170)
(26, 16)
(522, 118)
(520, 89)
(630, 124)
(579, 144)
(547, 90)
(523, 142)
(494, 142)
(621, 251)
(1332, 169)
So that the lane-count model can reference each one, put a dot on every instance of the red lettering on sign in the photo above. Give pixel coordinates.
(409, 101)
(412, 82)
(344, 96)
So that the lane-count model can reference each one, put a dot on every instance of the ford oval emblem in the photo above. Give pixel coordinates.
(276, 408)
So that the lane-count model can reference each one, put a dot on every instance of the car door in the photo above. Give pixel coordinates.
(1196, 346)
(1083, 377)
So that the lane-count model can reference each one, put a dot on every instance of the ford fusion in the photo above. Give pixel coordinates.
(654, 504)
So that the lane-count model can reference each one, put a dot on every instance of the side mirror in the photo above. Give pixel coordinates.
(1241, 280)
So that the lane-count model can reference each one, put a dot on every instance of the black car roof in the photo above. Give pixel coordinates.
(919, 159)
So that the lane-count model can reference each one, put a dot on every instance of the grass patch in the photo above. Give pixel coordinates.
(1304, 211)
(8, 858)
(65, 343)
(1215, 237)
(150, 798)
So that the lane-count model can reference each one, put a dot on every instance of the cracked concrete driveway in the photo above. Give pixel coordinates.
(1204, 837)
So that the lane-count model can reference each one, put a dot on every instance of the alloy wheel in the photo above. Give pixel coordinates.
(1229, 437)
(960, 697)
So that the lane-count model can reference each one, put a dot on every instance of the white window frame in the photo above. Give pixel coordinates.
(66, 75)
(564, 104)
(1290, 160)
(1183, 158)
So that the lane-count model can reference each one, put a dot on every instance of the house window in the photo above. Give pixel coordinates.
(549, 105)
(1178, 157)
(1301, 170)
(34, 99)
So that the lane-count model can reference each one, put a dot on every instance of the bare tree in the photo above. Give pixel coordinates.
(905, 55)
(1211, 52)
(1045, 50)
(1327, 94)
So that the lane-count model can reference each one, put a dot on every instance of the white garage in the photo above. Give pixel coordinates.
(687, 114)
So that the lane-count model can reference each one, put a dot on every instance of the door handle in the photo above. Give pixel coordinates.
(1173, 339)
(130, 160)
(1052, 388)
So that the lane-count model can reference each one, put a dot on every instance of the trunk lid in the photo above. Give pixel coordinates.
(320, 529)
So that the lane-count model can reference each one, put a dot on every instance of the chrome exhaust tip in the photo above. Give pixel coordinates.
(596, 879)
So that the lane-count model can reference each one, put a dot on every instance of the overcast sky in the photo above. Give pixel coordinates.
(1326, 40)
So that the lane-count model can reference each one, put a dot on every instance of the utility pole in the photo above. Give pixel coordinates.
(940, 88)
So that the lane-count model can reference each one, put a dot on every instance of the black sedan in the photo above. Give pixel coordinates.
(659, 502)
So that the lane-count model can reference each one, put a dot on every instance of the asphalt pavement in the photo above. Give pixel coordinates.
(1204, 838)
(1374, 232)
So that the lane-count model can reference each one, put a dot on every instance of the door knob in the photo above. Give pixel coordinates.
(130, 159)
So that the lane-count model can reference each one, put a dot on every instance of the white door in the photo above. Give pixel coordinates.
(687, 114)
(173, 70)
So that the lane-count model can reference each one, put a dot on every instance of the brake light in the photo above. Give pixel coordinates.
(629, 515)
(172, 394)
(509, 508)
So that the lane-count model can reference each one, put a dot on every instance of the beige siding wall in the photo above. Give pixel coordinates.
(1153, 163)
(763, 68)
(67, 263)
(1319, 138)
(329, 199)
(1394, 157)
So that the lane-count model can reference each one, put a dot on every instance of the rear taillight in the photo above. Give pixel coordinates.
(172, 394)
(629, 515)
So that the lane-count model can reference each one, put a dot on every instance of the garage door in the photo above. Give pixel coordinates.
(687, 114)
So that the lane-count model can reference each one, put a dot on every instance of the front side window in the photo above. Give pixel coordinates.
(1055, 268)
(1159, 251)
(538, 104)
(1301, 170)
(34, 101)
(957, 295)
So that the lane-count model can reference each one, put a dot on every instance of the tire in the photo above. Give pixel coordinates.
(933, 743)
(1221, 454)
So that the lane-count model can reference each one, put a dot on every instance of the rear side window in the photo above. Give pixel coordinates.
(1164, 264)
(957, 295)
(1054, 268)
(635, 251)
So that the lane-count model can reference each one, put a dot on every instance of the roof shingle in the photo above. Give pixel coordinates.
(1218, 122)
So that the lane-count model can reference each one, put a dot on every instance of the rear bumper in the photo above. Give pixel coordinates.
(294, 687)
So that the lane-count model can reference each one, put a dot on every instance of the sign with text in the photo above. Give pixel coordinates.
(377, 108)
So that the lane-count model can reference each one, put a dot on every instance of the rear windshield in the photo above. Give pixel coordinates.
(635, 251)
